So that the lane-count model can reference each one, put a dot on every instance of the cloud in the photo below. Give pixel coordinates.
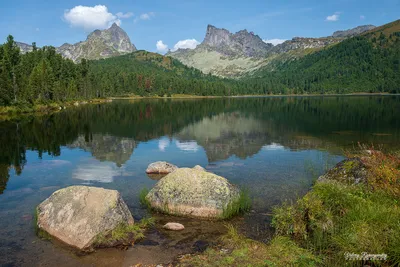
(273, 147)
(362, 17)
(275, 41)
(145, 16)
(334, 17)
(92, 18)
(184, 44)
(190, 146)
(124, 16)
(161, 47)
(163, 144)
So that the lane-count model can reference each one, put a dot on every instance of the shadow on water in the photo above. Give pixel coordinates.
(273, 146)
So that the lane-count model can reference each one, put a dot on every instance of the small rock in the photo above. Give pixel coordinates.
(161, 167)
(76, 104)
(174, 226)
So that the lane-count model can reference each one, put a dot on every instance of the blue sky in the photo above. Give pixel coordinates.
(50, 22)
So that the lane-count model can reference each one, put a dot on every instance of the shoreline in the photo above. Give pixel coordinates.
(9, 112)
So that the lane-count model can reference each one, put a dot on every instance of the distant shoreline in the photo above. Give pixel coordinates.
(9, 112)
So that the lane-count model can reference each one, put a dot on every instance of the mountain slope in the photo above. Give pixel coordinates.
(99, 44)
(232, 55)
(366, 63)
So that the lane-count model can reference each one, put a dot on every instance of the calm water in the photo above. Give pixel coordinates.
(273, 146)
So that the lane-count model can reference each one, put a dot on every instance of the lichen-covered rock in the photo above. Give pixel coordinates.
(174, 226)
(194, 193)
(350, 171)
(77, 215)
(160, 167)
(198, 167)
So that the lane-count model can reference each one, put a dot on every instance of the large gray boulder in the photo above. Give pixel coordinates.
(77, 215)
(160, 167)
(349, 171)
(194, 193)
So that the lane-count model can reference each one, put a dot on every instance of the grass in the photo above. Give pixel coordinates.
(238, 206)
(335, 218)
(237, 250)
(124, 234)
(142, 198)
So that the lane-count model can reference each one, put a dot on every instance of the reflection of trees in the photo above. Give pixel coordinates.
(223, 127)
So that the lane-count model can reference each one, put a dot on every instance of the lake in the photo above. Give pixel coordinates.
(274, 147)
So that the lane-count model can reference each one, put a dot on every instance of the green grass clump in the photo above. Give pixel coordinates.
(239, 206)
(142, 197)
(124, 234)
(241, 251)
(335, 218)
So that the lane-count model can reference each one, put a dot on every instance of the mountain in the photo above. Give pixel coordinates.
(369, 62)
(353, 32)
(233, 55)
(99, 44)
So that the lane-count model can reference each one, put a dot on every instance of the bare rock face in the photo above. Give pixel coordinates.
(77, 215)
(161, 167)
(174, 226)
(353, 32)
(242, 43)
(99, 44)
(193, 193)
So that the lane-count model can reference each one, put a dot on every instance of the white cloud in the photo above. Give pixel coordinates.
(163, 144)
(334, 17)
(188, 43)
(273, 147)
(92, 18)
(362, 17)
(161, 47)
(121, 15)
(275, 41)
(190, 146)
(145, 16)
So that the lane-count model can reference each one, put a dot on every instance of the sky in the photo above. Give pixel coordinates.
(159, 25)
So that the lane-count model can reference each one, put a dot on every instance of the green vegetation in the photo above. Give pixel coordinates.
(123, 234)
(368, 63)
(337, 218)
(142, 197)
(237, 250)
(238, 206)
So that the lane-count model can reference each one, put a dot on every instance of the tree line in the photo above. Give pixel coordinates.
(359, 64)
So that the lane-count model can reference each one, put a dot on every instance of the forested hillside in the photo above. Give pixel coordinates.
(367, 63)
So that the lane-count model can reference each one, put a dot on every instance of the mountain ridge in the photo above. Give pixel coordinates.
(99, 44)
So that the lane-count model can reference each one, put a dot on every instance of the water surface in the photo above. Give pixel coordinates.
(273, 146)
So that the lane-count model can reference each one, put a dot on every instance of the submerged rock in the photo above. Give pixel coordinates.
(350, 171)
(161, 167)
(174, 226)
(77, 215)
(194, 193)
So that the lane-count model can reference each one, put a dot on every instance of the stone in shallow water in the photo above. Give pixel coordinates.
(193, 193)
(76, 215)
(174, 226)
(161, 167)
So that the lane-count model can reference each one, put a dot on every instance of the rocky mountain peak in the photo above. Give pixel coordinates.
(110, 42)
(241, 43)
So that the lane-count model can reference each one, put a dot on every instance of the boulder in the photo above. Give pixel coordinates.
(174, 226)
(198, 167)
(160, 167)
(77, 215)
(193, 193)
(349, 171)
